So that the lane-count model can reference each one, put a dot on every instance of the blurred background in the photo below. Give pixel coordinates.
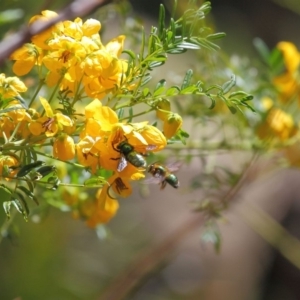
(152, 248)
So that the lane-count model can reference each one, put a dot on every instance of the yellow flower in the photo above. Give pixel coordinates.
(6, 162)
(11, 86)
(288, 83)
(104, 69)
(291, 56)
(41, 40)
(163, 109)
(172, 124)
(26, 57)
(50, 124)
(279, 124)
(99, 210)
(86, 154)
(64, 147)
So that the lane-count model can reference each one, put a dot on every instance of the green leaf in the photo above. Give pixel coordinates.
(130, 114)
(120, 112)
(5, 193)
(187, 45)
(174, 90)
(237, 93)
(161, 20)
(187, 79)
(205, 44)
(21, 207)
(160, 87)
(276, 62)
(232, 109)
(155, 64)
(176, 50)
(28, 193)
(262, 49)
(54, 182)
(130, 53)
(28, 167)
(216, 36)
(227, 86)
(146, 79)
(95, 181)
(145, 92)
(7, 207)
(141, 57)
(45, 170)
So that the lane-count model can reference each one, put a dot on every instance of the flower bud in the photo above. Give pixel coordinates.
(171, 125)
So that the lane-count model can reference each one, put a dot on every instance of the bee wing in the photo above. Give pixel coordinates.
(122, 164)
(151, 147)
(153, 180)
(173, 167)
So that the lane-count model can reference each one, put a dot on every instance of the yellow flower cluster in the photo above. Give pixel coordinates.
(71, 57)
(73, 54)
(288, 83)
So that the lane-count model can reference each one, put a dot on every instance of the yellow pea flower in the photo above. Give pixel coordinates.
(172, 124)
(6, 162)
(288, 82)
(50, 124)
(64, 147)
(25, 58)
(163, 109)
(41, 40)
(279, 124)
(11, 86)
(99, 210)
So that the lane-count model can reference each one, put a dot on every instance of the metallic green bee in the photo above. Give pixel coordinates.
(163, 175)
(128, 154)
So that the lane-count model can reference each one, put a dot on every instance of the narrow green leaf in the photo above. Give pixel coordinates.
(130, 114)
(158, 91)
(155, 64)
(262, 49)
(176, 50)
(130, 53)
(247, 98)
(19, 205)
(172, 33)
(237, 93)
(7, 207)
(174, 90)
(95, 181)
(120, 112)
(25, 190)
(161, 20)
(174, 9)
(146, 79)
(5, 193)
(141, 57)
(187, 45)
(216, 36)
(227, 86)
(146, 92)
(232, 109)
(187, 79)
(27, 168)
(161, 83)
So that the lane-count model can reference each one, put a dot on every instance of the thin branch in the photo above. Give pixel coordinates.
(77, 8)
(132, 278)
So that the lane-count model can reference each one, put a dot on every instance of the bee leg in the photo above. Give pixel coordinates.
(163, 184)
(115, 158)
